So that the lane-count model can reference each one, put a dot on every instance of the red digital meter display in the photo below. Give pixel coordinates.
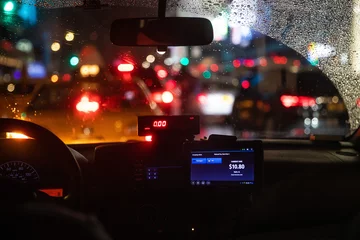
(159, 123)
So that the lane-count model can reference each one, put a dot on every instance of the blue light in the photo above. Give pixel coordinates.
(17, 74)
(28, 12)
(36, 70)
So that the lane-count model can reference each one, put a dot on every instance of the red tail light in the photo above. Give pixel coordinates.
(297, 101)
(148, 138)
(202, 98)
(165, 97)
(87, 106)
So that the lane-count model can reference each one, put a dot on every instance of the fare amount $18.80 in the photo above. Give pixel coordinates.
(236, 166)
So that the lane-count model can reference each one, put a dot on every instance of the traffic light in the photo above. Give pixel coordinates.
(9, 6)
(74, 61)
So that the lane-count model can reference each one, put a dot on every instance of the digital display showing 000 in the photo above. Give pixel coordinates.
(160, 123)
(148, 125)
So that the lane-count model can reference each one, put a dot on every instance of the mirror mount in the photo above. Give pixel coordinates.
(162, 14)
(161, 32)
(161, 8)
(162, 48)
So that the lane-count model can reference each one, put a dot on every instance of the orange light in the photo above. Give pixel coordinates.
(15, 135)
(125, 67)
(148, 138)
(167, 97)
(53, 192)
(86, 106)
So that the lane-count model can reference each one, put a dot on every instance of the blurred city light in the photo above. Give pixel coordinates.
(54, 78)
(55, 46)
(236, 63)
(263, 62)
(9, 6)
(150, 58)
(125, 67)
(162, 73)
(207, 74)
(184, 61)
(66, 77)
(245, 84)
(74, 61)
(249, 63)
(168, 61)
(145, 64)
(11, 87)
(296, 63)
(167, 97)
(69, 36)
(220, 26)
(214, 67)
(86, 106)
(89, 70)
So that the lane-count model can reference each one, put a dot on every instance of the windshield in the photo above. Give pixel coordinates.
(276, 69)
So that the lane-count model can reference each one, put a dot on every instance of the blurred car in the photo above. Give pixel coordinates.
(163, 97)
(212, 100)
(127, 70)
(298, 110)
(89, 111)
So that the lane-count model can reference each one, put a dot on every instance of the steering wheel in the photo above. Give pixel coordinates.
(45, 138)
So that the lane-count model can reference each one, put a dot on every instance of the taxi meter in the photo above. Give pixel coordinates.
(185, 124)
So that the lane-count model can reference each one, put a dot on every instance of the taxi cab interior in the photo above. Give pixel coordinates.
(167, 188)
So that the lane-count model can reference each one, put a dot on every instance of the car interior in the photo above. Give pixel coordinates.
(176, 186)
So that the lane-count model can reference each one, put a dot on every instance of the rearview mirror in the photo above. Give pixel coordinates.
(172, 31)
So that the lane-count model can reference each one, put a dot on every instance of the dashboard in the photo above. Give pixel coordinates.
(38, 168)
(178, 185)
(159, 192)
